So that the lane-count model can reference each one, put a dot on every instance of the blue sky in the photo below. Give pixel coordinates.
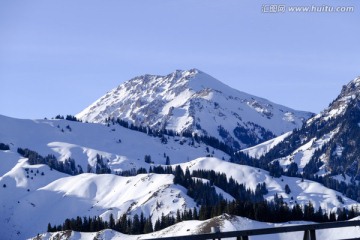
(57, 57)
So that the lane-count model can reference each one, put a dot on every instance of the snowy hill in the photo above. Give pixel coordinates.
(194, 101)
(26, 213)
(83, 141)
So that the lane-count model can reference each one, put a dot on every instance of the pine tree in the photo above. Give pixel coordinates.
(195, 214)
(178, 216)
(136, 227)
(167, 162)
(111, 221)
(148, 228)
(157, 226)
(287, 189)
(49, 228)
(123, 224)
(142, 222)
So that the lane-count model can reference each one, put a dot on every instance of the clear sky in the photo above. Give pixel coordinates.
(57, 57)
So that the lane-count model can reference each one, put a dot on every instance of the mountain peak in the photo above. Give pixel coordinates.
(352, 88)
(356, 80)
(191, 100)
(349, 93)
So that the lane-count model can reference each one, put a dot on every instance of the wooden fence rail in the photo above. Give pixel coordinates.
(308, 229)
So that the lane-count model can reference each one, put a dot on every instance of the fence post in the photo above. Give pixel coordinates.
(242, 238)
(309, 234)
(215, 230)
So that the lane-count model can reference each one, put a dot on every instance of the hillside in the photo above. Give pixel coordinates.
(38, 195)
(119, 146)
(27, 212)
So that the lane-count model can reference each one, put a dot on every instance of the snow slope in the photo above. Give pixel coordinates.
(263, 148)
(193, 100)
(123, 148)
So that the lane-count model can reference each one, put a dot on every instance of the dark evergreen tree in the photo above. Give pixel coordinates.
(147, 159)
(287, 189)
(4, 147)
(275, 169)
(111, 221)
(167, 161)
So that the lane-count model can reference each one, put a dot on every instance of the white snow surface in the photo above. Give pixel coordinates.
(192, 100)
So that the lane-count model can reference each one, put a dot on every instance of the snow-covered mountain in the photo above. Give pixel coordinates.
(194, 101)
(31, 196)
(328, 143)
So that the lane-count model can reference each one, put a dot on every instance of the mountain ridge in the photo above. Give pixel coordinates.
(327, 144)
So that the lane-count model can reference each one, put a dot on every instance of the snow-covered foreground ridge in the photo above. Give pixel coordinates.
(224, 223)
(194, 101)
(53, 197)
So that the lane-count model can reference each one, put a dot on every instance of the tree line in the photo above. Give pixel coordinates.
(276, 211)
(67, 166)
